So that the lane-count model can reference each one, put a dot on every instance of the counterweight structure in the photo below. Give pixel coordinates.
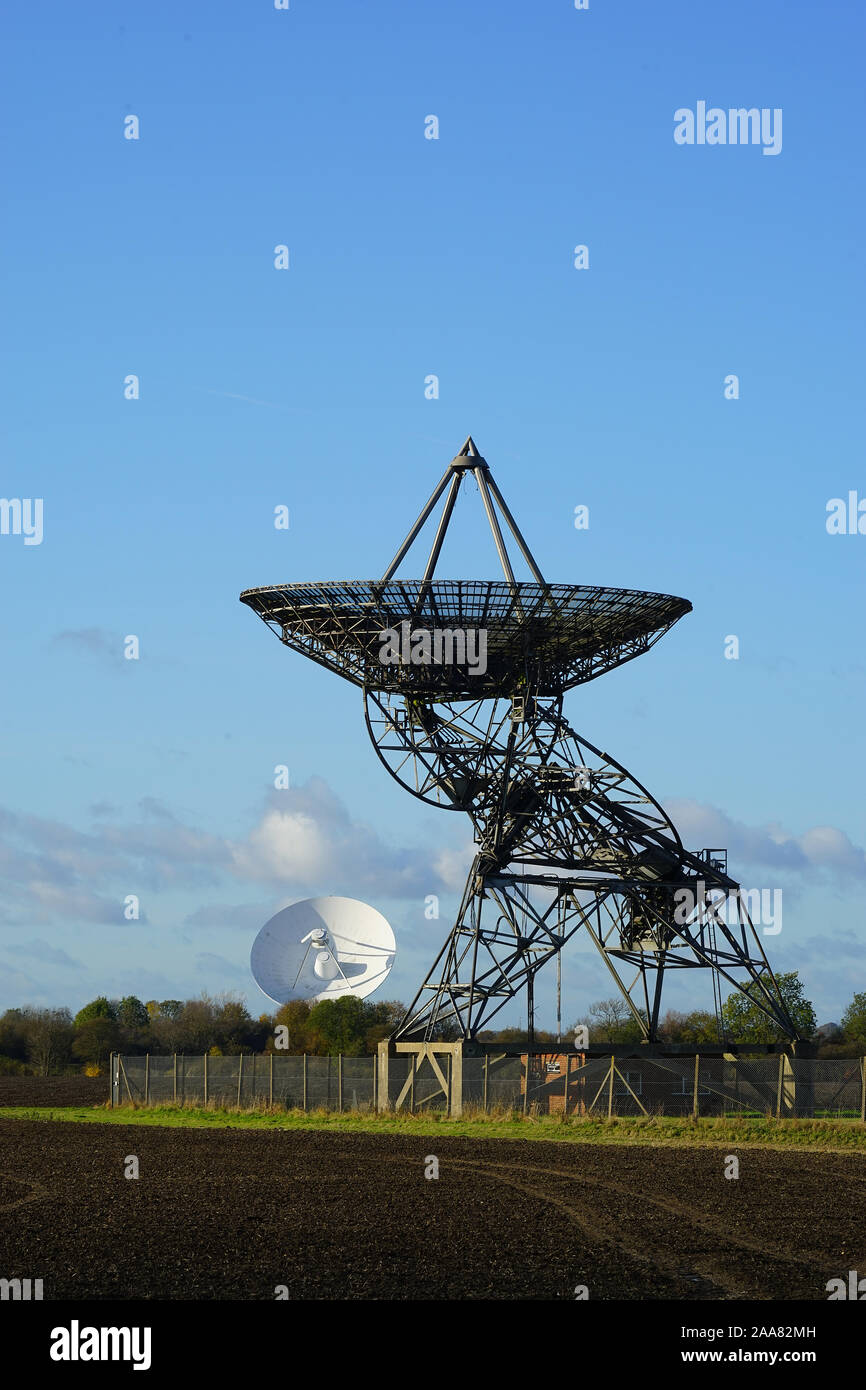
(566, 838)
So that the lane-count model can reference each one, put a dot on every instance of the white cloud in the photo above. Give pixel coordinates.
(823, 847)
(287, 846)
(305, 841)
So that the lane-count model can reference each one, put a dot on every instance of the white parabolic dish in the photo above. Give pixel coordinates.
(323, 948)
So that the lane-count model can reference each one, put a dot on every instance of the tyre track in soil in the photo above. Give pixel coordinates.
(713, 1278)
(36, 1193)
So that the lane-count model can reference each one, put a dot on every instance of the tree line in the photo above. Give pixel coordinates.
(610, 1020)
(52, 1040)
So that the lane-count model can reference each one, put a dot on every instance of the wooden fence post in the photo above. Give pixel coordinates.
(174, 1086)
(695, 1101)
(205, 1078)
(240, 1075)
(610, 1089)
(305, 1080)
(147, 1078)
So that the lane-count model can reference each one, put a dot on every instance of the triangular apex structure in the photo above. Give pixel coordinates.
(468, 451)
(467, 461)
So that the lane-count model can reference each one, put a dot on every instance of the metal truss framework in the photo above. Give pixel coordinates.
(567, 838)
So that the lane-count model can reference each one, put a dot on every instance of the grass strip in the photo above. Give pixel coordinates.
(845, 1135)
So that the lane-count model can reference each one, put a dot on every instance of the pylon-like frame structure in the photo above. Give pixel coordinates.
(566, 837)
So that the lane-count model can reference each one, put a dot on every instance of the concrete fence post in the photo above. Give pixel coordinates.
(383, 1078)
(455, 1081)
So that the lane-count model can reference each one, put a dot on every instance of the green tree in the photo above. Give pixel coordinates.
(339, 1025)
(383, 1017)
(97, 1008)
(95, 1038)
(543, 1041)
(695, 1028)
(131, 1013)
(134, 1026)
(164, 1008)
(746, 1021)
(295, 1016)
(853, 1021)
(163, 1027)
(234, 1030)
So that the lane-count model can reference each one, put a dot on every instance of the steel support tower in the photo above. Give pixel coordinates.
(566, 838)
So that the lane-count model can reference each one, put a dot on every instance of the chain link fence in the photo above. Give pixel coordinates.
(246, 1080)
(537, 1084)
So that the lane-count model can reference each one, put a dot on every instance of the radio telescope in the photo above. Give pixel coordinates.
(567, 838)
(323, 948)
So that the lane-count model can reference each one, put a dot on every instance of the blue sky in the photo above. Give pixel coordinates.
(305, 387)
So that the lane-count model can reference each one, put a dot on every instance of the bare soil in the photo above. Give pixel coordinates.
(233, 1214)
(53, 1090)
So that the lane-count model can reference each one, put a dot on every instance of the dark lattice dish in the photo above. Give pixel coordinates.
(558, 634)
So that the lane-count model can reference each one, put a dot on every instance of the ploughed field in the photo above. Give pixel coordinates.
(233, 1214)
(53, 1090)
